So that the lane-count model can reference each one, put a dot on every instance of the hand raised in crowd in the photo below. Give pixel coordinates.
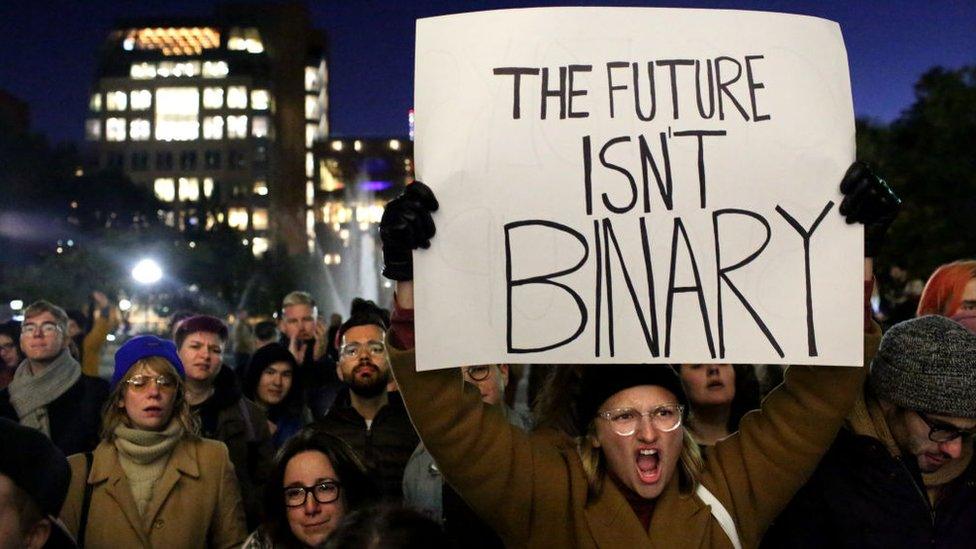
(868, 200)
(406, 225)
(321, 339)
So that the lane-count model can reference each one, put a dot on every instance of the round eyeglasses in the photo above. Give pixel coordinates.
(140, 382)
(351, 350)
(323, 492)
(625, 421)
(478, 373)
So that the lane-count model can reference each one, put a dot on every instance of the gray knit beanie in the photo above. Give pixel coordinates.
(927, 364)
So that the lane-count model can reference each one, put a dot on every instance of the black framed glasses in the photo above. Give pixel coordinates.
(478, 373)
(944, 432)
(323, 492)
(625, 421)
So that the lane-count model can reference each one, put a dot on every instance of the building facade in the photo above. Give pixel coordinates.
(218, 117)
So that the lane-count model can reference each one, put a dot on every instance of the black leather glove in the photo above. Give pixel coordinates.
(406, 226)
(868, 200)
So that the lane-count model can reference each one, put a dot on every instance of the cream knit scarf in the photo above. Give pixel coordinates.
(30, 394)
(143, 456)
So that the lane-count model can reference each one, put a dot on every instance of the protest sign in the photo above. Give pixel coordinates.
(635, 185)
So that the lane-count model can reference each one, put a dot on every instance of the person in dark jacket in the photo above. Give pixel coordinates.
(10, 354)
(215, 396)
(367, 416)
(49, 392)
(271, 383)
(917, 414)
(304, 334)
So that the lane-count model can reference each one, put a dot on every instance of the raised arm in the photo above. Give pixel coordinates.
(777, 448)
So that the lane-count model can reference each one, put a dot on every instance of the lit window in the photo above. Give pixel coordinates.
(309, 193)
(95, 104)
(310, 130)
(260, 100)
(140, 99)
(312, 111)
(177, 112)
(213, 98)
(213, 127)
(260, 125)
(237, 127)
(337, 146)
(177, 69)
(259, 245)
(165, 189)
(93, 129)
(357, 145)
(259, 219)
(208, 187)
(139, 129)
(261, 187)
(236, 97)
(115, 129)
(253, 41)
(142, 71)
(189, 189)
(394, 144)
(215, 69)
(237, 218)
(309, 165)
(172, 40)
(116, 100)
(312, 82)
(248, 40)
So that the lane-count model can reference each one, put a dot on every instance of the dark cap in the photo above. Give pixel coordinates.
(600, 382)
(35, 465)
(142, 347)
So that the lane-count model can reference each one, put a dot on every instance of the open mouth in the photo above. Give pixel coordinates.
(648, 465)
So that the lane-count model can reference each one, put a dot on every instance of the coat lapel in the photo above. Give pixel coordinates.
(106, 467)
(611, 520)
(182, 461)
(680, 520)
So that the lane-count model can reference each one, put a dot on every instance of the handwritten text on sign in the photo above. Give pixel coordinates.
(635, 185)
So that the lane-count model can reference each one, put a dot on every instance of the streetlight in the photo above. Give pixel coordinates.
(16, 304)
(147, 272)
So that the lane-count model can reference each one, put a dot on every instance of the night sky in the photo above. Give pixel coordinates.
(49, 48)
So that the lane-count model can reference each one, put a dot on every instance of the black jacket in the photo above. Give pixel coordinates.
(237, 422)
(860, 496)
(75, 416)
(384, 448)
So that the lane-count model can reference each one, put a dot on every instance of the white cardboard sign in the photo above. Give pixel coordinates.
(635, 185)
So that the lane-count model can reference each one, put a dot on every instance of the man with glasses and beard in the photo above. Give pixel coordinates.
(900, 474)
(368, 417)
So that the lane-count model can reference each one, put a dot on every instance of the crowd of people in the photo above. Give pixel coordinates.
(302, 432)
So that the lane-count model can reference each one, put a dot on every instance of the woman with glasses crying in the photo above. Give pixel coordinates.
(316, 481)
(152, 481)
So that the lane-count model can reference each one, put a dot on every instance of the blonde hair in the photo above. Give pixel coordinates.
(594, 463)
(114, 415)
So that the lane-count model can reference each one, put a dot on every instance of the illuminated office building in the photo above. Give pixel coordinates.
(220, 117)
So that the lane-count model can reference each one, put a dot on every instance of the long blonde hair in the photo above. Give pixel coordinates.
(595, 463)
(113, 415)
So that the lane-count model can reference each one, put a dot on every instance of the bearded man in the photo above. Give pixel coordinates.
(368, 416)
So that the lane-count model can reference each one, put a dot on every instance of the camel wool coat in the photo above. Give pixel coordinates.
(531, 488)
(195, 502)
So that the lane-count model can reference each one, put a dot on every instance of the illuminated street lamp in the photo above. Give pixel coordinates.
(16, 304)
(147, 272)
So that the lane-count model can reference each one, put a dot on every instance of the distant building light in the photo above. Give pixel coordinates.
(261, 187)
(125, 305)
(60, 249)
(375, 186)
(78, 173)
(245, 242)
(71, 243)
(337, 146)
(395, 144)
(193, 244)
(110, 337)
(16, 304)
(357, 145)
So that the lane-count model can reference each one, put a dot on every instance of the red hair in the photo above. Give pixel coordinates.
(943, 292)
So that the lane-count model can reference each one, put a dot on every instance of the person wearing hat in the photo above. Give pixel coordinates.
(272, 383)
(34, 479)
(634, 476)
(152, 481)
(913, 425)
